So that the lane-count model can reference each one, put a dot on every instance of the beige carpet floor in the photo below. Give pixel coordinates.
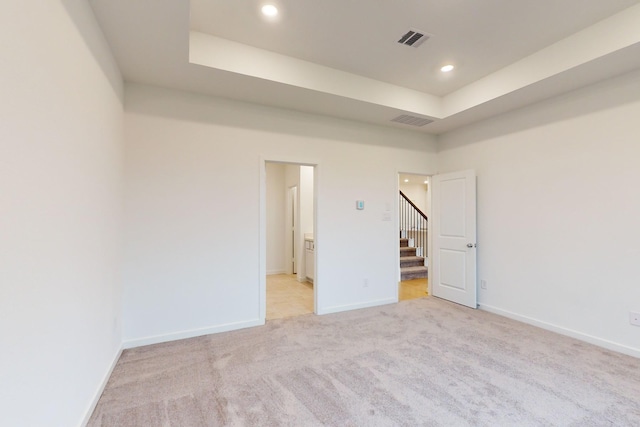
(424, 362)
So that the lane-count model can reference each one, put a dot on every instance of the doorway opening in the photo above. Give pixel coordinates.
(414, 210)
(290, 240)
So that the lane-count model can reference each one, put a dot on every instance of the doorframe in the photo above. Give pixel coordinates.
(396, 222)
(262, 252)
(291, 233)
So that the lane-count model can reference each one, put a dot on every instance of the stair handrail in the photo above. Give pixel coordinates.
(414, 206)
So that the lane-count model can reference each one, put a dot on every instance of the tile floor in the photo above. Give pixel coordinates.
(286, 297)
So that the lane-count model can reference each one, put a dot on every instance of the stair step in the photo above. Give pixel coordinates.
(411, 261)
(406, 251)
(409, 273)
(404, 243)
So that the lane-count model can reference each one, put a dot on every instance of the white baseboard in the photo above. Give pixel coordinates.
(103, 384)
(174, 336)
(620, 348)
(340, 308)
(271, 272)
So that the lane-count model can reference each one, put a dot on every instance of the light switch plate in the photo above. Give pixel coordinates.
(360, 205)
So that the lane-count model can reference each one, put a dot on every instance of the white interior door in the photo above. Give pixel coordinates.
(453, 265)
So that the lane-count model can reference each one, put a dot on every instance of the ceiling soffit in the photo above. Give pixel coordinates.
(181, 58)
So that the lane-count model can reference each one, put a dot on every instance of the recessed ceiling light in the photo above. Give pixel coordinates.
(406, 180)
(269, 10)
(447, 68)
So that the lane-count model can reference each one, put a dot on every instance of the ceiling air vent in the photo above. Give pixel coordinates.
(411, 120)
(414, 38)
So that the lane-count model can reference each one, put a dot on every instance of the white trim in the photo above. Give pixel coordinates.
(396, 220)
(271, 272)
(101, 387)
(317, 237)
(610, 345)
(396, 228)
(262, 238)
(262, 261)
(348, 307)
(174, 336)
(429, 235)
(291, 160)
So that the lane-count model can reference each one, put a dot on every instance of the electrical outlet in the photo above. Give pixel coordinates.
(365, 283)
(634, 318)
(483, 284)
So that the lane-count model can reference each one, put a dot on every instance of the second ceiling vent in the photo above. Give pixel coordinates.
(414, 38)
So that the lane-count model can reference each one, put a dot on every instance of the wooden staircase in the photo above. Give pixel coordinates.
(411, 266)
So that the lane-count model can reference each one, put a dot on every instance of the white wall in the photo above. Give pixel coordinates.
(292, 175)
(276, 218)
(306, 198)
(417, 193)
(190, 156)
(558, 209)
(60, 204)
(306, 214)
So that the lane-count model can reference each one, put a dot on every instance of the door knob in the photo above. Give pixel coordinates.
(470, 245)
